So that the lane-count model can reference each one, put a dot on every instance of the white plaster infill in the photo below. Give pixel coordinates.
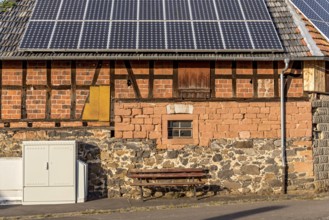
(179, 109)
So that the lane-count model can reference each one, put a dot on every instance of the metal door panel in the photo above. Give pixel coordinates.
(36, 165)
(61, 165)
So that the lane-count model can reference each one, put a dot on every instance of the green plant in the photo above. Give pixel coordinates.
(6, 4)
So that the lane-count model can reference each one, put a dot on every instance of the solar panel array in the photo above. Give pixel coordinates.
(151, 25)
(317, 11)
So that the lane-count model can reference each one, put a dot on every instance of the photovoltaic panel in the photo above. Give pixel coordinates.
(203, 10)
(99, 10)
(151, 10)
(46, 10)
(321, 9)
(306, 10)
(124, 10)
(229, 10)
(180, 35)
(323, 27)
(255, 10)
(66, 35)
(236, 35)
(263, 35)
(72, 10)
(317, 11)
(123, 35)
(38, 34)
(94, 35)
(177, 10)
(207, 35)
(151, 35)
(151, 26)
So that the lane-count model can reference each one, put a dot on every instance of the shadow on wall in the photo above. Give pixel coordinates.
(238, 215)
(97, 175)
(203, 192)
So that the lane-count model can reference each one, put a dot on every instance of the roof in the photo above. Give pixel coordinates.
(14, 22)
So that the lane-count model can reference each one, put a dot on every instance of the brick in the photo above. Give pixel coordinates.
(123, 112)
(137, 121)
(148, 111)
(148, 121)
(136, 111)
(127, 134)
(118, 134)
(140, 134)
(244, 134)
(138, 127)
(124, 127)
(155, 135)
(264, 127)
(148, 128)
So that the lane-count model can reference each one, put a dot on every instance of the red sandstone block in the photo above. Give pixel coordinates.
(155, 135)
(148, 111)
(137, 120)
(256, 134)
(138, 128)
(136, 111)
(148, 128)
(230, 121)
(124, 127)
(127, 134)
(139, 134)
(160, 110)
(123, 112)
(118, 119)
(156, 121)
(148, 121)
(270, 134)
(264, 127)
(118, 134)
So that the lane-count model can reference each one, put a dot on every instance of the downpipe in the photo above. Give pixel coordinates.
(283, 129)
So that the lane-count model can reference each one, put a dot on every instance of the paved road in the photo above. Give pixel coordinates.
(291, 210)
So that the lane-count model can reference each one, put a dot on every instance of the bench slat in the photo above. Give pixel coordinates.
(169, 170)
(169, 184)
(167, 175)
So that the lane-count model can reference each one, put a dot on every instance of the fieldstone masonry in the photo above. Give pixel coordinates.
(236, 165)
(320, 106)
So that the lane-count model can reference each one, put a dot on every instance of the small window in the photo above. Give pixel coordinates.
(180, 129)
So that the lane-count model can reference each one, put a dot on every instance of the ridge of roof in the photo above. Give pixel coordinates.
(14, 22)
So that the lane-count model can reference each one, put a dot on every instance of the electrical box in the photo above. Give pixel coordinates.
(49, 172)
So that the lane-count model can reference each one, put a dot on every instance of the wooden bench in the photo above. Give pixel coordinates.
(168, 177)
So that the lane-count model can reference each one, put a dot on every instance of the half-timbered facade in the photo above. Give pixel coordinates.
(162, 110)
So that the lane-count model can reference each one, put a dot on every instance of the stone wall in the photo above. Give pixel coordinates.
(320, 106)
(236, 165)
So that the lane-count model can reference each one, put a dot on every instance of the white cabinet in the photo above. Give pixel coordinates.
(49, 169)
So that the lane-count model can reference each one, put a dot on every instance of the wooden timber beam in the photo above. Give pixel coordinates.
(48, 91)
(23, 90)
(213, 79)
(234, 78)
(73, 89)
(255, 79)
(175, 80)
(131, 76)
(276, 78)
(97, 71)
(151, 79)
(112, 91)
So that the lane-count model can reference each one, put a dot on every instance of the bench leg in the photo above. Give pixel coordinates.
(194, 192)
(141, 190)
